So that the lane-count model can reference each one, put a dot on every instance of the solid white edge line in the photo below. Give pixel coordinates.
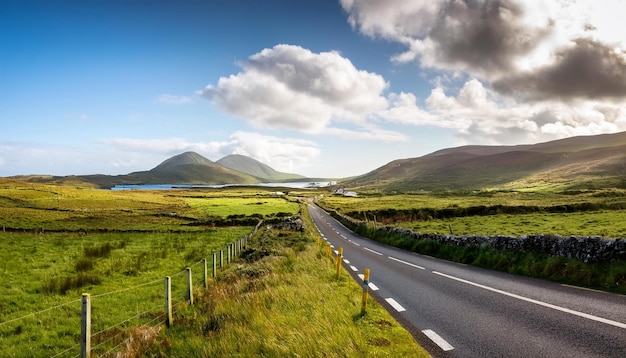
(406, 263)
(395, 304)
(372, 251)
(540, 303)
(438, 340)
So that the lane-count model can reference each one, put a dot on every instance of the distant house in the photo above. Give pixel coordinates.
(345, 192)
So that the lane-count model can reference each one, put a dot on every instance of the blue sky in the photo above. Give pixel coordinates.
(318, 88)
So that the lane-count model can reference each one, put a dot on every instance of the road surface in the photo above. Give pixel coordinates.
(456, 310)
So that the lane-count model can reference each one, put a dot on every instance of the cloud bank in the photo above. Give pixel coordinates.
(533, 70)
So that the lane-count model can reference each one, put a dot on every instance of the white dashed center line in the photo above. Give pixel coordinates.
(372, 251)
(406, 263)
(438, 340)
(395, 304)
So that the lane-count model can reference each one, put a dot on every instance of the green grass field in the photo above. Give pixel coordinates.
(592, 222)
(58, 242)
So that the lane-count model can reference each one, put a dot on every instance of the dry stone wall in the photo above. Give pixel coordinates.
(587, 249)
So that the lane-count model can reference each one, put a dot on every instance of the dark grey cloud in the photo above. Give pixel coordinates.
(587, 70)
(484, 35)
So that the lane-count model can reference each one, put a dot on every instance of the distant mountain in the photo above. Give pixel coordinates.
(185, 168)
(255, 168)
(571, 163)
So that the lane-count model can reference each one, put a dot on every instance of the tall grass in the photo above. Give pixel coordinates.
(282, 299)
(118, 246)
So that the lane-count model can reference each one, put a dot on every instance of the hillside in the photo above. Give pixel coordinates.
(255, 168)
(572, 163)
(185, 168)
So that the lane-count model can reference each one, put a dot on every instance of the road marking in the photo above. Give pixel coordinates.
(336, 252)
(353, 268)
(372, 251)
(332, 246)
(438, 340)
(395, 304)
(344, 236)
(354, 243)
(372, 286)
(406, 263)
(346, 261)
(540, 303)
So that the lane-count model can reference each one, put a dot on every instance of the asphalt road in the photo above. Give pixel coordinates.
(455, 310)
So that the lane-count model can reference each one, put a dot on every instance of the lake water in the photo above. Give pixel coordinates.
(295, 185)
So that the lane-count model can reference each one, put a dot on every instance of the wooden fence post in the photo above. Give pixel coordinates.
(366, 282)
(206, 275)
(221, 258)
(228, 254)
(85, 327)
(168, 301)
(189, 287)
(214, 265)
(339, 258)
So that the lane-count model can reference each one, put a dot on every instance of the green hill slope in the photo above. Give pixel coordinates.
(255, 168)
(577, 162)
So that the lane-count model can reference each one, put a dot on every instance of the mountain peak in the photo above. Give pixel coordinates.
(255, 168)
(183, 159)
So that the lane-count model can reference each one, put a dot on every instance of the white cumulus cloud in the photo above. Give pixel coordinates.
(289, 87)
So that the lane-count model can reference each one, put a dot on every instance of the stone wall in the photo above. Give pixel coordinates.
(587, 249)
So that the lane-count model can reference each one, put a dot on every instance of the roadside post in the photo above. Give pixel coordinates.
(366, 282)
(339, 258)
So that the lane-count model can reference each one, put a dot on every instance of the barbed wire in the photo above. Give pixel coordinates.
(160, 319)
(112, 349)
(107, 340)
(38, 312)
(126, 320)
(65, 351)
(127, 288)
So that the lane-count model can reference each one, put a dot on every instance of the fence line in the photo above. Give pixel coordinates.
(127, 320)
(126, 289)
(235, 249)
(38, 312)
(65, 351)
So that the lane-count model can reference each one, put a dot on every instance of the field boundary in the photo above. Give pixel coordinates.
(154, 317)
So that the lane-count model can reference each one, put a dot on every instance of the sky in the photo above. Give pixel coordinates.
(320, 88)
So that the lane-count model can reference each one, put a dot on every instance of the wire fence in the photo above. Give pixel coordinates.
(142, 307)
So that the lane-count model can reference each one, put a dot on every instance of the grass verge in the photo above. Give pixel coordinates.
(280, 298)
(608, 276)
